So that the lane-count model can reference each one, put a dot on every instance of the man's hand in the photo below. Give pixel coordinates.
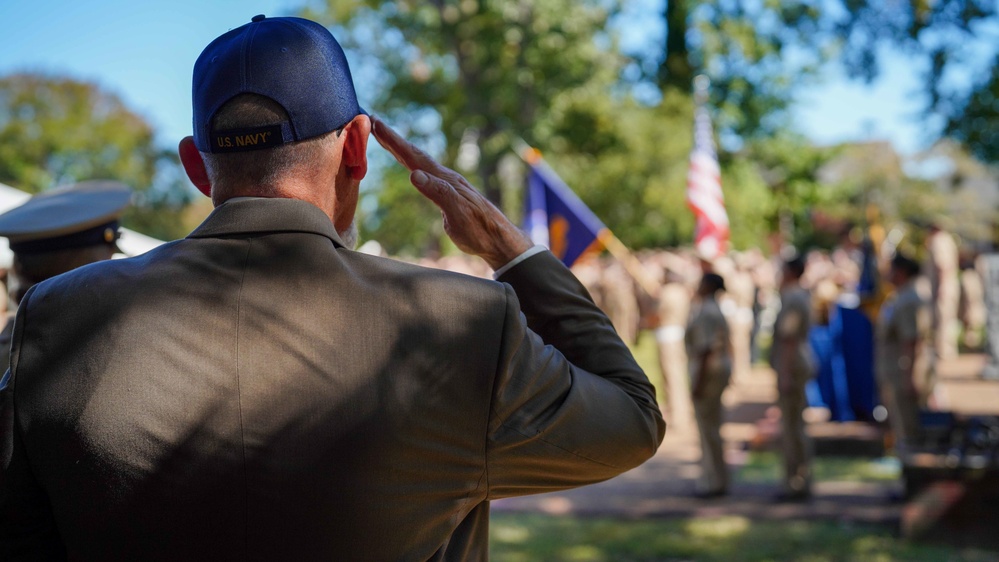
(475, 225)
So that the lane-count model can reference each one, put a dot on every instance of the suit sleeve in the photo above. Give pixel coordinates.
(27, 527)
(570, 406)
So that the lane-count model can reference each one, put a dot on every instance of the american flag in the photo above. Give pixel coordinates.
(704, 192)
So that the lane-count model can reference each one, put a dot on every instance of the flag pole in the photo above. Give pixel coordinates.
(630, 262)
(635, 269)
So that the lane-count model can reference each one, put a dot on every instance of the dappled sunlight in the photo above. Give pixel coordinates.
(584, 552)
(532, 537)
(764, 466)
(513, 534)
(726, 527)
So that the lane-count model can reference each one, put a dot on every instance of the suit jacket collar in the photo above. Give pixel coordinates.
(266, 215)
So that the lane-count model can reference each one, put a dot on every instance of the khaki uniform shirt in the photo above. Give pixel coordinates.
(708, 332)
(905, 318)
(793, 322)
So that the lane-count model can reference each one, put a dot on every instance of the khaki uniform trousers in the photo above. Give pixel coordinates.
(708, 412)
(903, 410)
(673, 362)
(796, 446)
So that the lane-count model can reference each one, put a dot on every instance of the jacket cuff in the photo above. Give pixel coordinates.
(533, 251)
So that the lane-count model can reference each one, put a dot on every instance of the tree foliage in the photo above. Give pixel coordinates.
(469, 78)
(789, 166)
(476, 70)
(755, 53)
(976, 123)
(937, 31)
(949, 40)
(966, 199)
(484, 73)
(56, 130)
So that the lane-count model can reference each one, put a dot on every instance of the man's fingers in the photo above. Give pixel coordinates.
(390, 141)
(408, 154)
(426, 173)
(433, 188)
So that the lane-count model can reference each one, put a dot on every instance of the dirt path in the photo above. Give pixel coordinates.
(664, 486)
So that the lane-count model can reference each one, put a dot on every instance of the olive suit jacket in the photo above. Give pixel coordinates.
(258, 392)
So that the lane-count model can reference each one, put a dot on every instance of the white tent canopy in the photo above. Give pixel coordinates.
(131, 243)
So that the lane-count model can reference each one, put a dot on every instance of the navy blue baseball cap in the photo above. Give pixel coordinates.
(293, 61)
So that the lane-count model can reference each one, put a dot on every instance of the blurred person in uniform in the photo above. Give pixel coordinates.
(590, 271)
(742, 292)
(620, 301)
(260, 391)
(56, 231)
(709, 352)
(903, 350)
(673, 311)
(765, 300)
(942, 271)
(973, 313)
(791, 358)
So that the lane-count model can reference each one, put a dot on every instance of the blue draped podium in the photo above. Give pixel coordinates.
(844, 356)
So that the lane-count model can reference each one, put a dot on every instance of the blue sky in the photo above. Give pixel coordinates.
(141, 50)
(144, 51)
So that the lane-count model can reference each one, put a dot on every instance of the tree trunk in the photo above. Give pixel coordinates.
(676, 70)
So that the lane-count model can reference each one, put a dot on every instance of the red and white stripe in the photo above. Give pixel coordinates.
(704, 192)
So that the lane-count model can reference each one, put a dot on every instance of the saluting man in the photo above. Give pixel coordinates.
(298, 400)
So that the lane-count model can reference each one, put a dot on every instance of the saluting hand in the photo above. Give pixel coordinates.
(474, 224)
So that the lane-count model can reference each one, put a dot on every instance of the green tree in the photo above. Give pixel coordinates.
(476, 70)
(953, 41)
(638, 181)
(935, 33)
(859, 178)
(755, 53)
(56, 130)
(976, 121)
(468, 78)
(965, 199)
(789, 166)
(758, 53)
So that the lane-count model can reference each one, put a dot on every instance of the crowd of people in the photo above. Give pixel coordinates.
(713, 320)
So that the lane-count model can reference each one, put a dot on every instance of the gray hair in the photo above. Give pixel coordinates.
(258, 171)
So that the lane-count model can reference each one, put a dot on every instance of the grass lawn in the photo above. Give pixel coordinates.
(646, 352)
(764, 467)
(524, 538)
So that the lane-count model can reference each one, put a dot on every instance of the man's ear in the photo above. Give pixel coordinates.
(194, 165)
(355, 147)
